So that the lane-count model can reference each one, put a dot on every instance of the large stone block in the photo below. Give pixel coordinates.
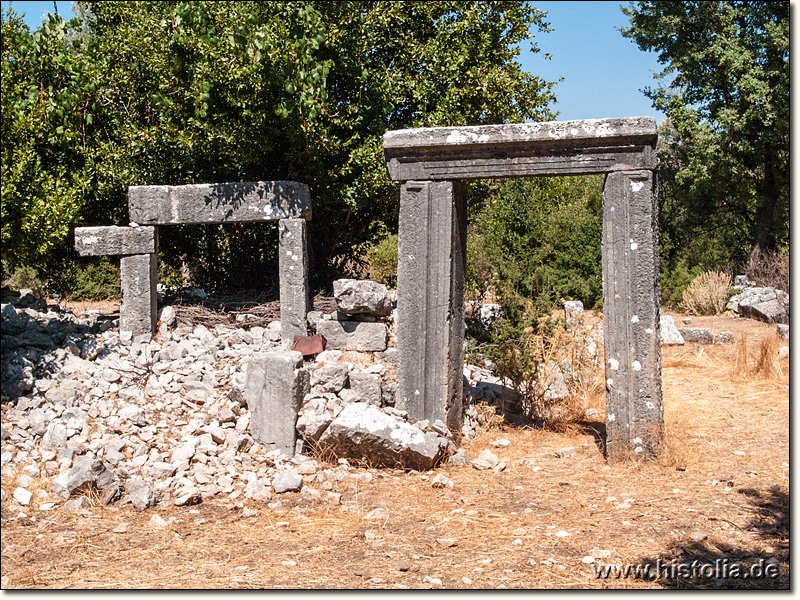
(430, 300)
(521, 149)
(138, 311)
(363, 432)
(354, 335)
(218, 202)
(669, 332)
(355, 297)
(274, 389)
(634, 411)
(99, 241)
(293, 271)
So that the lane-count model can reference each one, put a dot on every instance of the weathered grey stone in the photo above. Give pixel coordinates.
(363, 432)
(218, 202)
(356, 297)
(354, 335)
(330, 378)
(138, 307)
(97, 241)
(314, 420)
(485, 460)
(294, 287)
(274, 390)
(783, 332)
(134, 414)
(669, 332)
(141, 493)
(367, 386)
(566, 452)
(287, 481)
(524, 149)
(167, 315)
(765, 304)
(634, 411)
(430, 300)
(85, 473)
(697, 335)
(55, 437)
(725, 337)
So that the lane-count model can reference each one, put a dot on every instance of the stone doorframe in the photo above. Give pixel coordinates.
(432, 164)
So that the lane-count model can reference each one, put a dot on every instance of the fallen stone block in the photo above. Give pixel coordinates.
(98, 241)
(365, 433)
(783, 332)
(725, 337)
(287, 481)
(697, 335)
(367, 386)
(330, 378)
(87, 472)
(357, 297)
(274, 390)
(141, 493)
(670, 335)
(354, 335)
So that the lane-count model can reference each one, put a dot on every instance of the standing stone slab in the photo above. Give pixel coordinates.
(294, 288)
(139, 305)
(274, 390)
(634, 412)
(218, 202)
(430, 300)
(97, 241)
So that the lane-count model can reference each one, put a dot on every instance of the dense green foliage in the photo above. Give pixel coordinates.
(136, 93)
(724, 149)
(537, 242)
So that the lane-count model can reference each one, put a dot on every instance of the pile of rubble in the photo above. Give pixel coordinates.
(763, 303)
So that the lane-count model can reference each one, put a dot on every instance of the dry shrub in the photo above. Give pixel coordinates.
(770, 269)
(707, 293)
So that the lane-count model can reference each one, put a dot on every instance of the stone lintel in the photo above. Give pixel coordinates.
(205, 203)
(634, 411)
(521, 149)
(113, 240)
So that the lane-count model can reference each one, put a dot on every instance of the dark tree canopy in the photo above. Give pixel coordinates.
(726, 92)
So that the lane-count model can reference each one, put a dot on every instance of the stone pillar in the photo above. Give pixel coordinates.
(138, 307)
(430, 300)
(294, 288)
(631, 294)
(274, 390)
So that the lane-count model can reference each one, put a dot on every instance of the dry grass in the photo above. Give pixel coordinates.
(723, 476)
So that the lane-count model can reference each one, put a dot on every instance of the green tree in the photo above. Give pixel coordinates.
(185, 92)
(725, 89)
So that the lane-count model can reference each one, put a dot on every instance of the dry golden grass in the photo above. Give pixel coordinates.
(707, 294)
(723, 474)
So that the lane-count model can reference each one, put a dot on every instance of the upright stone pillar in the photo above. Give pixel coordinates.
(294, 288)
(430, 301)
(139, 304)
(631, 294)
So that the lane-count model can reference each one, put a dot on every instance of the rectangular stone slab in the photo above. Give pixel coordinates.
(218, 202)
(634, 411)
(353, 335)
(274, 388)
(99, 241)
(293, 270)
(521, 149)
(139, 304)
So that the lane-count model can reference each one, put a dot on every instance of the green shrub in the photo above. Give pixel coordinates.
(84, 278)
(24, 277)
(382, 261)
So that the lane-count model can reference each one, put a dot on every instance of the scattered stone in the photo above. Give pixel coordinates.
(188, 496)
(459, 459)
(573, 311)
(141, 493)
(670, 335)
(157, 522)
(697, 335)
(725, 337)
(376, 514)
(486, 460)
(76, 504)
(85, 473)
(441, 481)
(562, 534)
(566, 452)
(23, 496)
(287, 481)
(783, 332)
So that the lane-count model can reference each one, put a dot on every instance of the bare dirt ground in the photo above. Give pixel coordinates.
(719, 492)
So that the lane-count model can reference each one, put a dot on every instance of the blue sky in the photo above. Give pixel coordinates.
(602, 72)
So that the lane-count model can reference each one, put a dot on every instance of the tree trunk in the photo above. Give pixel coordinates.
(764, 239)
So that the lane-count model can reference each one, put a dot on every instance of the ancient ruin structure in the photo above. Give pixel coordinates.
(287, 202)
(432, 164)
